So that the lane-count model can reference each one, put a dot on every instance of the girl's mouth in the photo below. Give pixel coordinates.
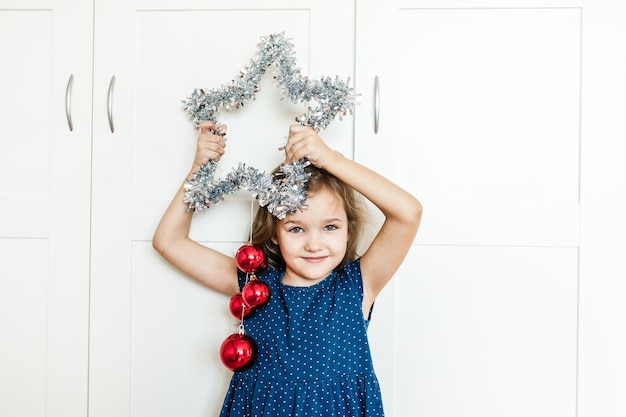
(315, 259)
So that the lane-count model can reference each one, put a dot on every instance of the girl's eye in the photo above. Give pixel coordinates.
(330, 227)
(296, 230)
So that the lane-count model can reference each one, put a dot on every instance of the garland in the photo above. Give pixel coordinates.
(285, 193)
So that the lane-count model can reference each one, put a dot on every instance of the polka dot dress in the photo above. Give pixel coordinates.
(314, 357)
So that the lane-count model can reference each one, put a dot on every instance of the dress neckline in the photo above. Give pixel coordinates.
(302, 288)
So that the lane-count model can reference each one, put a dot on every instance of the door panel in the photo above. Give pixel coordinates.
(25, 134)
(44, 207)
(487, 331)
(179, 325)
(23, 320)
(491, 120)
(482, 114)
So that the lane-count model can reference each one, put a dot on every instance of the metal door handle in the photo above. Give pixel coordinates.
(68, 102)
(376, 104)
(110, 104)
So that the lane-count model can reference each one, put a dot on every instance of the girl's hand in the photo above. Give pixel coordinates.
(210, 144)
(304, 142)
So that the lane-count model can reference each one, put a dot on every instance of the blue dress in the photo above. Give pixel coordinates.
(314, 357)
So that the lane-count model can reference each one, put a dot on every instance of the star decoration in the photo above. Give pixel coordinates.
(327, 99)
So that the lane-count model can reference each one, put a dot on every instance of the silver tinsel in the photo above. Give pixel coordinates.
(327, 99)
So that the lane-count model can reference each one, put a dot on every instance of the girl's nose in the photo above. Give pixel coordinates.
(313, 243)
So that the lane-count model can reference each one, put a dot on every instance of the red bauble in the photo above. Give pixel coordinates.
(255, 293)
(238, 352)
(250, 258)
(236, 305)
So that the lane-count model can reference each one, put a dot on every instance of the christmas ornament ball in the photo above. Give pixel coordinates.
(255, 293)
(236, 305)
(250, 258)
(238, 352)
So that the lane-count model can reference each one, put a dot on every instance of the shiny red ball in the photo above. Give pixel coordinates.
(236, 305)
(250, 258)
(238, 352)
(255, 293)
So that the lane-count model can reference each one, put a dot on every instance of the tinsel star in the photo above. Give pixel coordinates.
(327, 98)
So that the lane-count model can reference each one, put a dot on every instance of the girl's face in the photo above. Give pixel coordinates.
(313, 241)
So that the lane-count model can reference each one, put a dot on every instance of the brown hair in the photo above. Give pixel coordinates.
(265, 224)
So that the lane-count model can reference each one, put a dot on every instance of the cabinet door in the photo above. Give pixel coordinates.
(44, 207)
(155, 335)
(480, 104)
(484, 126)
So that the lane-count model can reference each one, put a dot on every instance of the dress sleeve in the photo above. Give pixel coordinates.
(351, 277)
(353, 281)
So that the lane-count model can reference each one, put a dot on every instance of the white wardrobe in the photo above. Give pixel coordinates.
(506, 118)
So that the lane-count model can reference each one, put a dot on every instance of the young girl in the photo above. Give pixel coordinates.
(313, 354)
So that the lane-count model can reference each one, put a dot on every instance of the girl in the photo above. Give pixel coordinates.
(314, 358)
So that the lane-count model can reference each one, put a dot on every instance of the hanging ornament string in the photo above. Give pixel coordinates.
(251, 220)
(239, 351)
(327, 99)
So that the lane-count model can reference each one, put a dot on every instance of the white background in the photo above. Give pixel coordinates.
(505, 118)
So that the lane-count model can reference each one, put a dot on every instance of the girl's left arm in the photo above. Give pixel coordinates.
(402, 211)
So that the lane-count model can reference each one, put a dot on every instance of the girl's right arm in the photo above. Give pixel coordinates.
(171, 238)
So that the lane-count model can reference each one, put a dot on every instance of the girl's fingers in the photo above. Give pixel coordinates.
(206, 126)
(293, 129)
(298, 150)
(210, 145)
(221, 130)
(296, 134)
(213, 150)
